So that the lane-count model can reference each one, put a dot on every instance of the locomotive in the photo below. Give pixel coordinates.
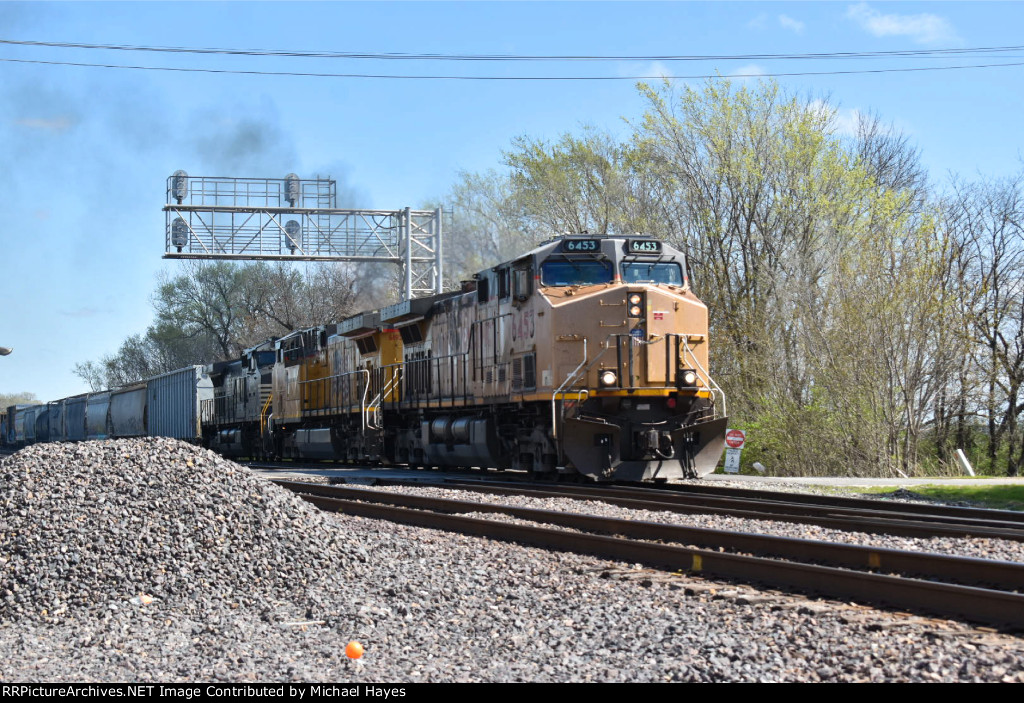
(587, 355)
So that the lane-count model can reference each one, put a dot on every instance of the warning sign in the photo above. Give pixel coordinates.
(732, 461)
(734, 439)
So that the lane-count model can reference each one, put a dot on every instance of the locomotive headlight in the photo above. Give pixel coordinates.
(688, 377)
(635, 304)
(608, 378)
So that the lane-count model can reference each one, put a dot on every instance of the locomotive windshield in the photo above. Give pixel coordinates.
(652, 272)
(566, 272)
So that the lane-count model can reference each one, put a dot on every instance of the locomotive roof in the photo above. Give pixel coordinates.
(410, 309)
(607, 244)
(359, 323)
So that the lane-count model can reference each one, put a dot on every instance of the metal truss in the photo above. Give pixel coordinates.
(293, 219)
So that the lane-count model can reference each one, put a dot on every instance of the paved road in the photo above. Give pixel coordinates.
(355, 474)
(825, 481)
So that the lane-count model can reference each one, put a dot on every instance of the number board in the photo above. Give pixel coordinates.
(643, 246)
(581, 245)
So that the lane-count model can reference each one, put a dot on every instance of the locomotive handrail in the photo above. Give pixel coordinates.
(455, 380)
(362, 401)
(711, 382)
(397, 369)
(570, 378)
(378, 400)
(585, 393)
(263, 414)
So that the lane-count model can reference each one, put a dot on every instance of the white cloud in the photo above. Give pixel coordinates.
(791, 24)
(759, 22)
(653, 69)
(924, 28)
(751, 70)
(56, 124)
(80, 312)
(658, 70)
(846, 121)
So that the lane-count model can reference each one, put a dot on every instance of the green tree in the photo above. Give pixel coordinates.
(579, 184)
(829, 285)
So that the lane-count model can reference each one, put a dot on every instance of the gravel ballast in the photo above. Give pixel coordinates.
(152, 560)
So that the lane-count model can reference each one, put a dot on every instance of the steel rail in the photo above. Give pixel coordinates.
(878, 523)
(794, 503)
(685, 494)
(990, 606)
(988, 514)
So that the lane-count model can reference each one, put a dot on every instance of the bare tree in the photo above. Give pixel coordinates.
(213, 311)
(9, 399)
(988, 220)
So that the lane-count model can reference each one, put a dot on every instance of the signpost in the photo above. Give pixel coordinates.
(734, 441)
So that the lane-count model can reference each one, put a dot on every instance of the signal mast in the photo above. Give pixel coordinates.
(296, 219)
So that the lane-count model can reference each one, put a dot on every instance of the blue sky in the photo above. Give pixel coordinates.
(85, 152)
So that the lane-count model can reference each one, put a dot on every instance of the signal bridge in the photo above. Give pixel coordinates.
(295, 219)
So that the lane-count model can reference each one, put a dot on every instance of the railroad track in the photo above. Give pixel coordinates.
(848, 514)
(979, 590)
(901, 519)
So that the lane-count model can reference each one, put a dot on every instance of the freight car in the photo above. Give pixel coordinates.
(587, 355)
(164, 406)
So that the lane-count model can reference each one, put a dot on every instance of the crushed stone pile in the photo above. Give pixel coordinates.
(252, 584)
(86, 527)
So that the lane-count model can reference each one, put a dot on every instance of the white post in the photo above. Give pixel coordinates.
(407, 234)
(962, 458)
(438, 264)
